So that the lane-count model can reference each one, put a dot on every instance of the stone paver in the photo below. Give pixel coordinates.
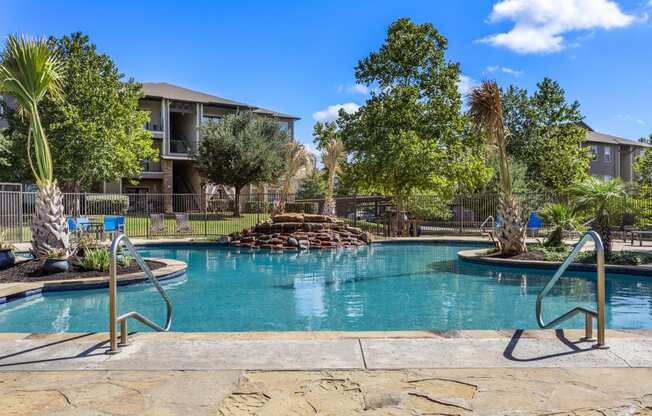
(532, 391)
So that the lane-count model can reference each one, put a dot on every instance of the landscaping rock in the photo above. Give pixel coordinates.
(289, 217)
(299, 231)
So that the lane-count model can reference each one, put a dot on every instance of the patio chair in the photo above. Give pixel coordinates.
(113, 224)
(156, 224)
(534, 223)
(183, 224)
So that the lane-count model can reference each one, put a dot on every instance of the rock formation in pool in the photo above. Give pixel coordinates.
(299, 231)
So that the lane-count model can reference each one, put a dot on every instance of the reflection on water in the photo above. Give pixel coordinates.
(382, 287)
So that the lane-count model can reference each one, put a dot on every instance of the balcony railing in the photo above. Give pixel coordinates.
(151, 165)
(153, 126)
(180, 145)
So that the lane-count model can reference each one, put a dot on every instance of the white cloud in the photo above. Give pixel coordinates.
(505, 70)
(540, 25)
(641, 122)
(353, 89)
(332, 111)
(466, 84)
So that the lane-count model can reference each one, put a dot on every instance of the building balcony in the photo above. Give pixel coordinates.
(155, 129)
(151, 165)
(180, 146)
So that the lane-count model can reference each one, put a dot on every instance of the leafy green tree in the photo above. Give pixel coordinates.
(643, 170)
(5, 150)
(312, 186)
(542, 128)
(30, 71)
(241, 149)
(604, 201)
(408, 136)
(96, 132)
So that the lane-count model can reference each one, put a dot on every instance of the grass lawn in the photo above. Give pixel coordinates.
(210, 226)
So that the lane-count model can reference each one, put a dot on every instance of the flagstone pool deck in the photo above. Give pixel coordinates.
(329, 373)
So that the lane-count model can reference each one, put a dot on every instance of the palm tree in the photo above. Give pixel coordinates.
(485, 109)
(298, 160)
(603, 200)
(332, 155)
(30, 70)
(564, 218)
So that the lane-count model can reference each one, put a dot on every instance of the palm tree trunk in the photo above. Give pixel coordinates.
(49, 227)
(511, 233)
(601, 226)
(329, 201)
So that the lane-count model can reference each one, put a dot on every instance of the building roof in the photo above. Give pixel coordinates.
(174, 92)
(596, 137)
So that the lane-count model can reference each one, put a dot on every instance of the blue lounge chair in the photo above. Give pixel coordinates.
(72, 225)
(534, 223)
(114, 223)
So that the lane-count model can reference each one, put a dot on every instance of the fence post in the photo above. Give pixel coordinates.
(20, 215)
(355, 210)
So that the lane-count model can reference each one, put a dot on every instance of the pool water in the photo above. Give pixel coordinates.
(380, 287)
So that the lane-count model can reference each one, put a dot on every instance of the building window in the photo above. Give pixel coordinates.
(207, 119)
(284, 126)
(594, 150)
(607, 153)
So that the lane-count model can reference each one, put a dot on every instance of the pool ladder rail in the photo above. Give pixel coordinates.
(114, 319)
(589, 314)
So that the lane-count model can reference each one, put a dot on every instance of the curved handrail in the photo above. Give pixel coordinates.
(493, 222)
(599, 249)
(122, 319)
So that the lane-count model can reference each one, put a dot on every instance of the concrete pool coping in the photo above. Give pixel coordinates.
(480, 256)
(17, 290)
(326, 350)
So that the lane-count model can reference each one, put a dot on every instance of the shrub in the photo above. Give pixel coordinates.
(96, 259)
(107, 204)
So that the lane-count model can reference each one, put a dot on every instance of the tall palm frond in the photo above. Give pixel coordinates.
(604, 200)
(486, 112)
(30, 70)
(332, 155)
(298, 160)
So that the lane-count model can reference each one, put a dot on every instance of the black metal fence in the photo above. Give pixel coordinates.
(178, 215)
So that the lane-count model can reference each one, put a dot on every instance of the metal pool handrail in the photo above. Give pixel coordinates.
(588, 313)
(113, 295)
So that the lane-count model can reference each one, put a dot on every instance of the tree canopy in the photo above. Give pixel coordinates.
(545, 133)
(95, 132)
(241, 149)
(643, 170)
(408, 137)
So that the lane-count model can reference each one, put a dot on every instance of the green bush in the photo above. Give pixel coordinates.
(303, 207)
(96, 259)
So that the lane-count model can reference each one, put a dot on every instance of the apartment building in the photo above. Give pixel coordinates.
(614, 157)
(175, 116)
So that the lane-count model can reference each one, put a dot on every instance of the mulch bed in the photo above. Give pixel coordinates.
(30, 271)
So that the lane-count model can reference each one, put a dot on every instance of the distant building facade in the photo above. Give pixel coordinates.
(613, 157)
(176, 113)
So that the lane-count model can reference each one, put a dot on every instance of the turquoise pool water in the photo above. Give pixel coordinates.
(381, 287)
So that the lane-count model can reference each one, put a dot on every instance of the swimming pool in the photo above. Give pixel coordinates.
(380, 287)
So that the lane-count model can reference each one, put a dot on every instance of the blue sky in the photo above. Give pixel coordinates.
(298, 56)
